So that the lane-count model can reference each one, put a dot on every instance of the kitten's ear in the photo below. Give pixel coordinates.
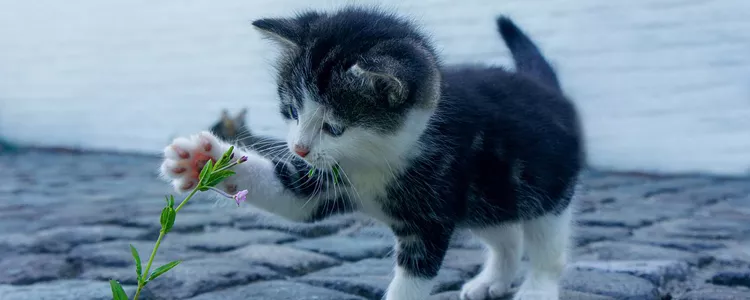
(283, 31)
(382, 74)
(287, 31)
(225, 115)
(241, 115)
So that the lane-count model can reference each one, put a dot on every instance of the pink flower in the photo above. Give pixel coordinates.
(240, 197)
(243, 159)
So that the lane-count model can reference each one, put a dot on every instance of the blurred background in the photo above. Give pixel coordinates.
(663, 85)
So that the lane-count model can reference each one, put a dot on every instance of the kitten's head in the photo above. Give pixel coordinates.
(230, 128)
(355, 86)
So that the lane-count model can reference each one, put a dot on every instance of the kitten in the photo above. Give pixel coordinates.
(377, 125)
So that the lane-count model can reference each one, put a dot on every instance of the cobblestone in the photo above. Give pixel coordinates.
(66, 221)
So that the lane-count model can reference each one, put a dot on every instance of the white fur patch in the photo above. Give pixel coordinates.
(407, 287)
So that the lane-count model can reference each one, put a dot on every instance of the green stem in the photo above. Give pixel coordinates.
(195, 190)
(142, 282)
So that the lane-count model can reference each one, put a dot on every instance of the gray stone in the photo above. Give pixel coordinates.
(615, 285)
(370, 287)
(117, 253)
(705, 228)
(468, 261)
(712, 292)
(633, 214)
(655, 271)
(185, 222)
(199, 276)
(225, 239)
(584, 235)
(452, 295)
(629, 251)
(32, 268)
(62, 239)
(255, 219)
(283, 259)
(124, 275)
(732, 278)
(366, 267)
(575, 295)
(16, 243)
(346, 248)
(277, 290)
(62, 290)
(370, 277)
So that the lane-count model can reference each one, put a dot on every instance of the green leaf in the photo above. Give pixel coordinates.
(218, 177)
(170, 202)
(207, 169)
(225, 158)
(163, 269)
(164, 216)
(169, 215)
(117, 292)
(311, 173)
(138, 268)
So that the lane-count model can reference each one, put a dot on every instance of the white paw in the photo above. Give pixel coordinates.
(547, 291)
(185, 157)
(485, 286)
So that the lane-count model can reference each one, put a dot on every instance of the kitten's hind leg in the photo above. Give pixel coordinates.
(505, 249)
(547, 240)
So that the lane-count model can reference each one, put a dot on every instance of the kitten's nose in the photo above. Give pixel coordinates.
(302, 151)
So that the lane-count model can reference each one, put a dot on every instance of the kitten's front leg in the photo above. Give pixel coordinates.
(419, 258)
(270, 184)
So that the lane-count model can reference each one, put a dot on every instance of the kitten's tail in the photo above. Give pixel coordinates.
(529, 60)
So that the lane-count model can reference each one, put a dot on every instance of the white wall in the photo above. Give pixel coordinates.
(662, 84)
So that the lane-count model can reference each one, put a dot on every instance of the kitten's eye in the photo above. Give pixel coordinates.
(293, 112)
(333, 130)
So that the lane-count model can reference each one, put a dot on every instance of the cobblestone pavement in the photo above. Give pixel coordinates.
(66, 221)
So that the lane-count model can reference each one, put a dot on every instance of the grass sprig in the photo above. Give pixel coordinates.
(211, 175)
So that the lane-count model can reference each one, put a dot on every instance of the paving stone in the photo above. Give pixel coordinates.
(62, 290)
(633, 214)
(712, 292)
(124, 275)
(283, 259)
(199, 276)
(277, 290)
(468, 261)
(369, 287)
(584, 235)
(705, 228)
(117, 253)
(615, 285)
(32, 268)
(62, 239)
(732, 278)
(225, 239)
(630, 251)
(371, 277)
(346, 248)
(255, 219)
(655, 271)
(16, 243)
(185, 222)
(576, 295)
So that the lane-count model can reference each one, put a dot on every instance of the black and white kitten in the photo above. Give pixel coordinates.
(425, 149)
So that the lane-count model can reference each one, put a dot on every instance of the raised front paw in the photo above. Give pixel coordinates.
(185, 157)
